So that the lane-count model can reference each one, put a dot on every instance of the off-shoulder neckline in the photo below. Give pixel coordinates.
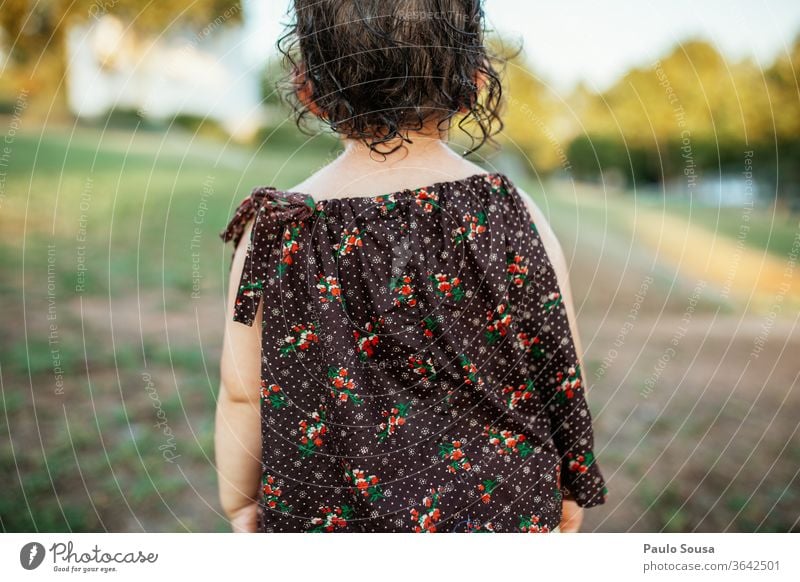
(435, 186)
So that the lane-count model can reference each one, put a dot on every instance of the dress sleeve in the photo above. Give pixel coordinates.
(273, 212)
(562, 381)
(251, 285)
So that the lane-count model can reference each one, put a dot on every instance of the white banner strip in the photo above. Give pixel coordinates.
(388, 557)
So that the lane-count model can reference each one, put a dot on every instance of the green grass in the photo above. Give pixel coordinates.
(141, 193)
(761, 227)
(760, 230)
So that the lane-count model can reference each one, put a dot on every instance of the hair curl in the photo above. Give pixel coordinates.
(376, 70)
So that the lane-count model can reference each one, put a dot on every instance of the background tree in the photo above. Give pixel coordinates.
(531, 114)
(35, 33)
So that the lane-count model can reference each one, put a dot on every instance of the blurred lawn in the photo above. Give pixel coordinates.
(767, 228)
(91, 458)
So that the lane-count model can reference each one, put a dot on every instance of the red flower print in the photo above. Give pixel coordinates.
(312, 433)
(272, 495)
(331, 519)
(289, 246)
(534, 346)
(580, 462)
(423, 367)
(404, 288)
(568, 385)
(452, 451)
(486, 488)
(471, 377)
(428, 201)
(273, 394)
(429, 325)
(517, 395)
(367, 341)
(342, 385)
(517, 269)
(551, 301)
(367, 485)
(426, 519)
(395, 417)
(472, 227)
(496, 183)
(475, 526)
(300, 338)
(531, 524)
(351, 238)
(499, 321)
(447, 287)
(507, 442)
(329, 289)
(386, 203)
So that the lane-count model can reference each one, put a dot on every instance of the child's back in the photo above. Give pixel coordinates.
(418, 365)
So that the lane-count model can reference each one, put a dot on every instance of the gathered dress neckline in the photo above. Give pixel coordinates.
(404, 191)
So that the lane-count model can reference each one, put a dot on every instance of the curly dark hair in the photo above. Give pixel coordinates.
(375, 70)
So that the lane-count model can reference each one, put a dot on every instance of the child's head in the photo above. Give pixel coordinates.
(375, 70)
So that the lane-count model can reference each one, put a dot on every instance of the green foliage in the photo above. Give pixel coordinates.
(692, 111)
(271, 77)
(200, 125)
(38, 55)
(151, 16)
(286, 137)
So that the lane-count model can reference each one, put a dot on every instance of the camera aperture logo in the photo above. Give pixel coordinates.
(31, 555)
(65, 558)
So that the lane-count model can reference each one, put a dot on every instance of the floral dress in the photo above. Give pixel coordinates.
(418, 370)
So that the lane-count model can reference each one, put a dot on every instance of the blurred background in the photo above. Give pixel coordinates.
(661, 139)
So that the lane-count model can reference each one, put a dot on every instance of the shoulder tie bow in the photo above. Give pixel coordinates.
(273, 212)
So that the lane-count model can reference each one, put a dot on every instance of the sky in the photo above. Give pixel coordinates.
(596, 42)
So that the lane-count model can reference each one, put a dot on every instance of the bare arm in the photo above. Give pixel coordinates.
(237, 437)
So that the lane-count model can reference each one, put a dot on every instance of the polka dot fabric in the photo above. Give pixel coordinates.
(418, 370)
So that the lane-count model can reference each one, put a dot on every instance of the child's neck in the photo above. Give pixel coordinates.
(360, 172)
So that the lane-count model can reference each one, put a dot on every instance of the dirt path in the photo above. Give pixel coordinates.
(733, 267)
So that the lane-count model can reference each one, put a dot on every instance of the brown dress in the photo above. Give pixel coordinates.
(418, 370)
